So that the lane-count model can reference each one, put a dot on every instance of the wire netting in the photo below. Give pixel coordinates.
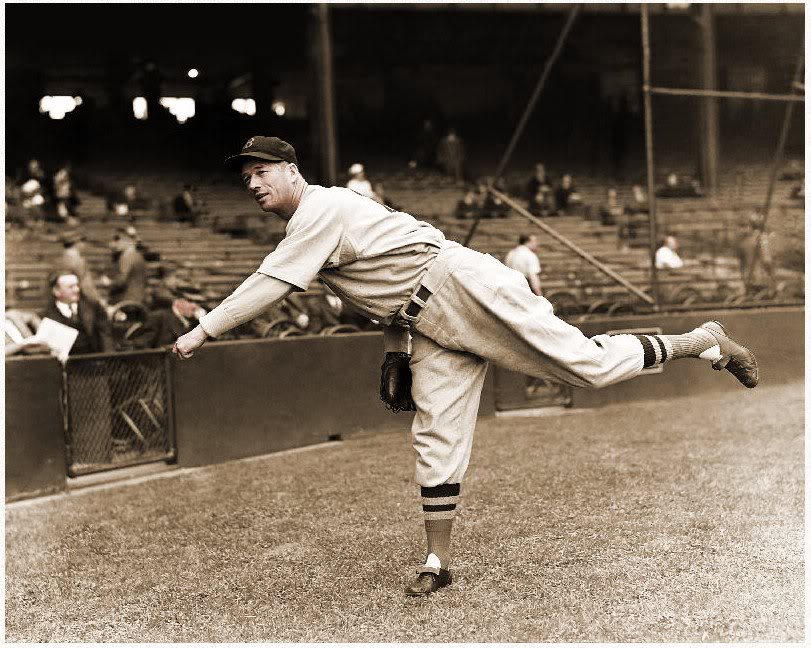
(118, 411)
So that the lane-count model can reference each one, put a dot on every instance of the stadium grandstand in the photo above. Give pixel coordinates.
(677, 122)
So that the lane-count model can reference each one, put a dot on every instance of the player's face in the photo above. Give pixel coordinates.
(272, 185)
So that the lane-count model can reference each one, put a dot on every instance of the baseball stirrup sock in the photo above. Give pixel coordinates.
(439, 510)
(698, 343)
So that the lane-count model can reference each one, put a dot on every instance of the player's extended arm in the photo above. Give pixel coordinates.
(255, 295)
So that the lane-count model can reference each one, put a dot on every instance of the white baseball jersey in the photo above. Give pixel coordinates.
(370, 256)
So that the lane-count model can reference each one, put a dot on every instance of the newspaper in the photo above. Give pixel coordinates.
(57, 336)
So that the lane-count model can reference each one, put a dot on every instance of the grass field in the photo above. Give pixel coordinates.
(664, 521)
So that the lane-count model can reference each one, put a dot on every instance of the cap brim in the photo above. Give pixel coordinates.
(240, 158)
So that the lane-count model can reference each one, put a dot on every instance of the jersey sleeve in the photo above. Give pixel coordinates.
(311, 239)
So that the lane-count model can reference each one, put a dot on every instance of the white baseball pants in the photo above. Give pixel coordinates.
(480, 311)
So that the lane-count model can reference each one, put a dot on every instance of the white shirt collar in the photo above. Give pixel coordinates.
(67, 310)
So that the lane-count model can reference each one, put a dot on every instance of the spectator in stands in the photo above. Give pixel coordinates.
(173, 285)
(73, 260)
(639, 201)
(34, 193)
(130, 282)
(755, 255)
(451, 155)
(185, 207)
(425, 154)
(165, 325)
(524, 259)
(566, 195)
(680, 187)
(122, 202)
(611, 211)
(21, 328)
(359, 183)
(798, 192)
(539, 182)
(667, 256)
(542, 204)
(65, 194)
(469, 206)
(69, 307)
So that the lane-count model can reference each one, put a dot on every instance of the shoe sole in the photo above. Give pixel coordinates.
(708, 326)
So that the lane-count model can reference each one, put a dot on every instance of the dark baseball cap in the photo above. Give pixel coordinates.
(259, 147)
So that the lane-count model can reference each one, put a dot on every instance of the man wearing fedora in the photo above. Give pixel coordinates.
(447, 312)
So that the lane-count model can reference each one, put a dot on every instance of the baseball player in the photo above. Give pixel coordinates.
(447, 312)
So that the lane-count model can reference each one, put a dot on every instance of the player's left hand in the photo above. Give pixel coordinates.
(187, 344)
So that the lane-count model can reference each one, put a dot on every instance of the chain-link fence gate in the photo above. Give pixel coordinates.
(118, 411)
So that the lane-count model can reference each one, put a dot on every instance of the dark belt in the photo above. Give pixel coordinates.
(413, 309)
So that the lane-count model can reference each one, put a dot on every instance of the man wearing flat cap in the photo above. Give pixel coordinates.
(447, 312)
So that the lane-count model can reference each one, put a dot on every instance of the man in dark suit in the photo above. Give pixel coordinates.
(167, 324)
(69, 307)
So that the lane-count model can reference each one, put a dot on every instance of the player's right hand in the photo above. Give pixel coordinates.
(187, 344)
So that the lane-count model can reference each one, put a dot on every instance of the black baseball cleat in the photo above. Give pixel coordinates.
(429, 579)
(735, 358)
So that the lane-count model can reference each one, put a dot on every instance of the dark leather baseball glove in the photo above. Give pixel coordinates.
(395, 383)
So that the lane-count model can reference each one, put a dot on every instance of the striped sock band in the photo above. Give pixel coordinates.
(439, 502)
(439, 509)
(657, 349)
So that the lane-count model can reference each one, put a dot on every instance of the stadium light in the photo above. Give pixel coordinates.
(58, 106)
(193, 73)
(181, 107)
(139, 108)
(278, 108)
(244, 106)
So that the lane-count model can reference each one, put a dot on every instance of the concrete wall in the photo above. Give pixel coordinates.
(35, 441)
(239, 399)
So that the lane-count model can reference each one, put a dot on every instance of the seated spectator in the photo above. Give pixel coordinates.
(680, 187)
(187, 208)
(122, 202)
(489, 205)
(539, 181)
(173, 285)
(798, 192)
(794, 170)
(611, 211)
(542, 203)
(450, 155)
(667, 256)
(639, 201)
(165, 325)
(129, 283)
(360, 184)
(72, 259)
(566, 195)
(33, 194)
(21, 328)
(65, 194)
(69, 307)
(469, 206)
